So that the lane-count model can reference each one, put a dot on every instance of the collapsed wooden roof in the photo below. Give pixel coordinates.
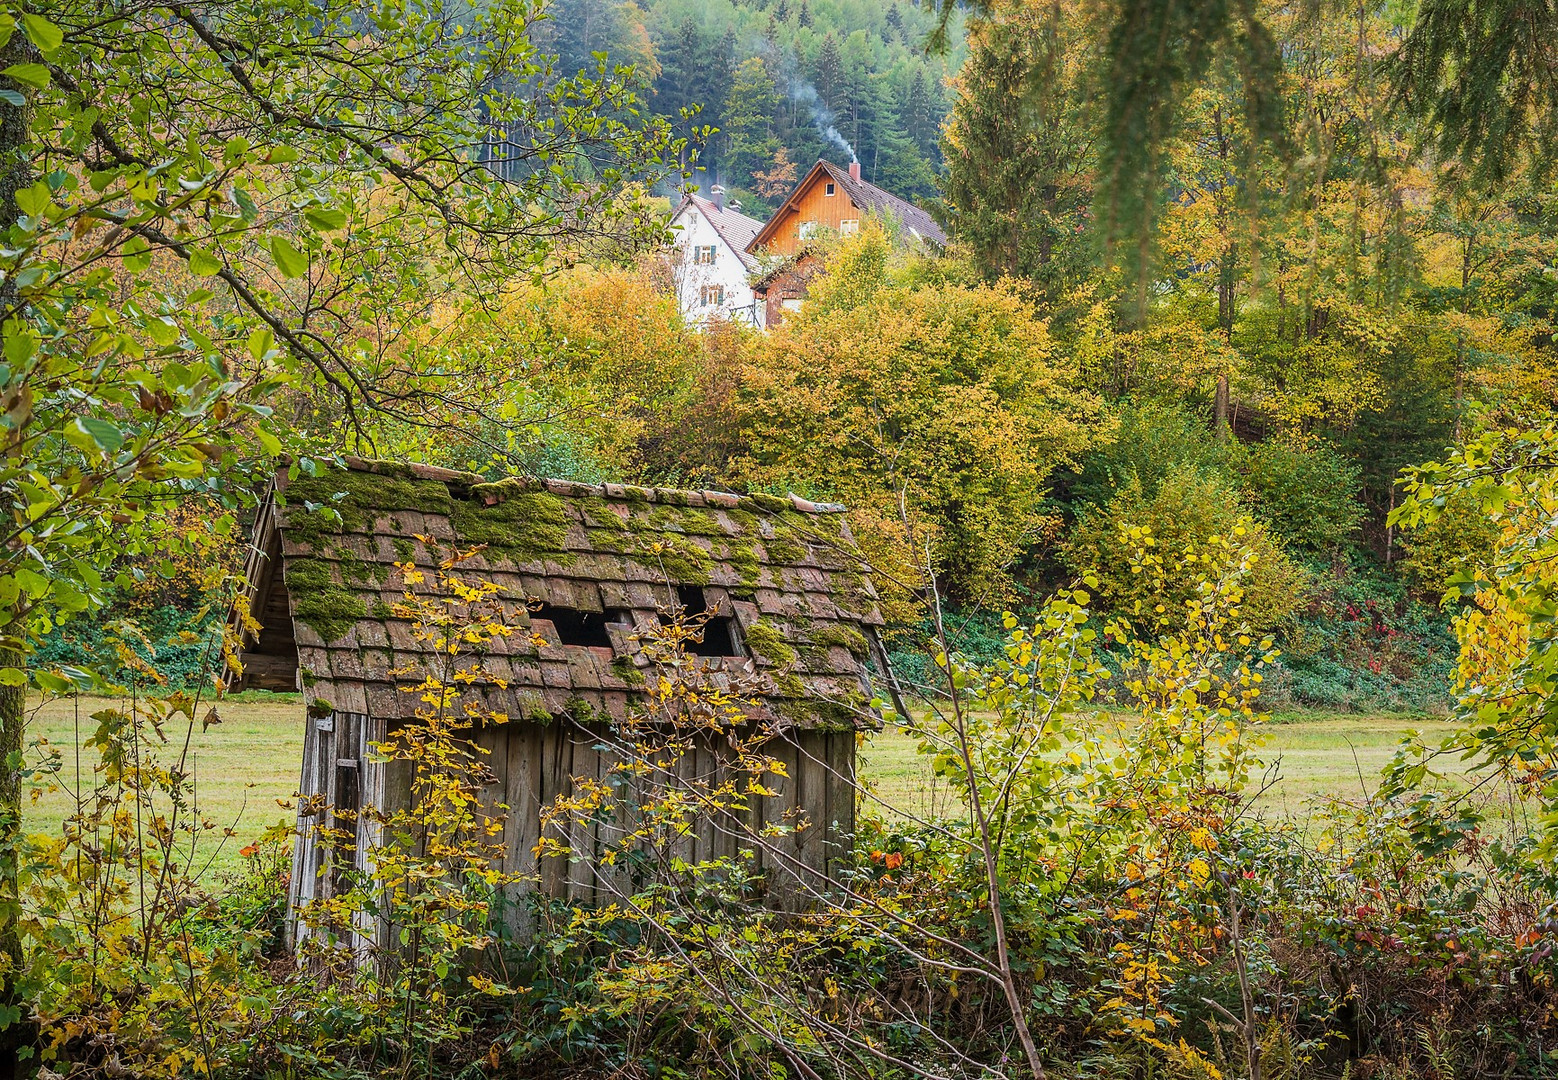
(587, 567)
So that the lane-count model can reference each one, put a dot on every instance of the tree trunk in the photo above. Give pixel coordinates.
(16, 173)
(1220, 421)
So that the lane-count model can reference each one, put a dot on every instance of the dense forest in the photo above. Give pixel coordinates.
(1167, 565)
(776, 86)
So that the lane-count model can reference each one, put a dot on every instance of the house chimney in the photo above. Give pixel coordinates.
(854, 169)
(719, 196)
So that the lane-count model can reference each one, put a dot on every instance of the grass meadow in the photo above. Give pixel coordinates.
(1317, 757)
(247, 765)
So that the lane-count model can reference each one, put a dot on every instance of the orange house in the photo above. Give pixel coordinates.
(832, 200)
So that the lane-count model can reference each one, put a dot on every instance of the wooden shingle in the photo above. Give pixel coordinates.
(612, 551)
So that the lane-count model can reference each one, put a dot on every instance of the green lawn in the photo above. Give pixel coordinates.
(240, 767)
(1319, 757)
(243, 765)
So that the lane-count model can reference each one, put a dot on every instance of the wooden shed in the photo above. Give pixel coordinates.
(587, 568)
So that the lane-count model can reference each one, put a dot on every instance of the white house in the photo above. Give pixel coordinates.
(711, 260)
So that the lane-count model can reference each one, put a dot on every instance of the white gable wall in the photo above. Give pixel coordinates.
(691, 230)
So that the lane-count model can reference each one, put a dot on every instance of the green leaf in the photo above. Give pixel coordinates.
(277, 155)
(325, 218)
(269, 442)
(11, 97)
(91, 431)
(34, 75)
(43, 33)
(137, 255)
(34, 200)
(245, 204)
(31, 582)
(51, 682)
(203, 263)
(163, 330)
(289, 260)
(261, 344)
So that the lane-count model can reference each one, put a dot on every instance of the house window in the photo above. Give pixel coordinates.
(703, 255)
(790, 303)
(828, 190)
(807, 230)
(711, 295)
(849, 226)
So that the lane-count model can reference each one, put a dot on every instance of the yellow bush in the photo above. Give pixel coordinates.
(936, 412)
(1187, 510)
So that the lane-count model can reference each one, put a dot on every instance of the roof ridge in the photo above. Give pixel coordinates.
(578, 489)
(863, 182)
(700, 201)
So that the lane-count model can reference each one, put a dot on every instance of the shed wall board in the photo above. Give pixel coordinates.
(533, 763)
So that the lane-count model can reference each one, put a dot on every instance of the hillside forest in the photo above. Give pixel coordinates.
(1228, 405)
(759, 91)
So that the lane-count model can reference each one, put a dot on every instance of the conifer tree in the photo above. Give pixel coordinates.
(830, 72)
(749, 111)
(895, 22)
(919, 117)
(1017, 152)
(1484, 74)
(681, 85)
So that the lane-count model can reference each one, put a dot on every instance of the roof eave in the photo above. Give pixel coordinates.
(771, 226)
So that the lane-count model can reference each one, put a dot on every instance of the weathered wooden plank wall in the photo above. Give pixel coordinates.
(337, 784)
(798, 834)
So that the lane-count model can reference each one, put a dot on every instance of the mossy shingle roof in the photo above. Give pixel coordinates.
(803, 607)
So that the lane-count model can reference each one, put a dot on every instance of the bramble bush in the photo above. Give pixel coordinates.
(1363, 642)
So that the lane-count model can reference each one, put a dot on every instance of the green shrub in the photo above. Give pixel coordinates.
(1153, 440)
(183, 646)
(1187, 509)
(974, 632)
(1307, 494)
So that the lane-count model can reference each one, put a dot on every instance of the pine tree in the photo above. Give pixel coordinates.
(749, 112)
(1017, 151)
(681, 83)
(895, 23)
(916, 118)
(830, 72)
(718, 74)
(803, 19)
(903, 134)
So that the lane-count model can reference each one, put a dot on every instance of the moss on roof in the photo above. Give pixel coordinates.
(348, 501)
(319, 602)
(523, 525)
(765, 561)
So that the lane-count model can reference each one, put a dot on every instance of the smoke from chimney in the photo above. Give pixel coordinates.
(805, 94)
